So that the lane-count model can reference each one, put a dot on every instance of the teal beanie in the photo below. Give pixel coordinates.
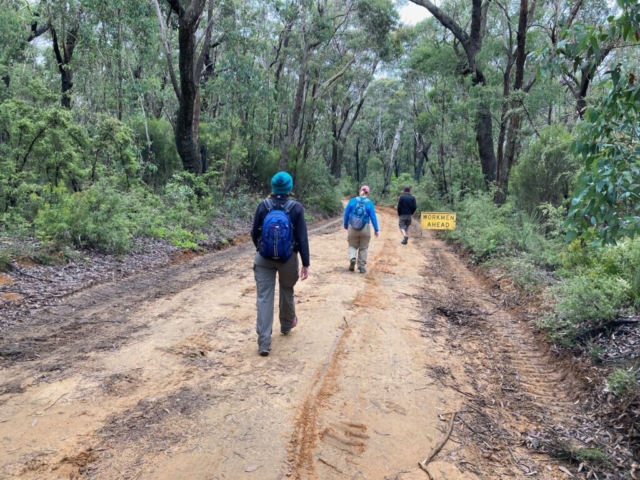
(282, 183)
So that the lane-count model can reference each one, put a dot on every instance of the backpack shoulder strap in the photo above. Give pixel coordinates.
(289, 206)
(268, 203)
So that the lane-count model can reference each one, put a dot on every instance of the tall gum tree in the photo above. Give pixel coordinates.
(513, 94)
(63, 21)
(472, 43)
(191, 67)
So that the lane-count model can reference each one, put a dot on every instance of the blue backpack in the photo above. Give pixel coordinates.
(359, 216)
(276, 241)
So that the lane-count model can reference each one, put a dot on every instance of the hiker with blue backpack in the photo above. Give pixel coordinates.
(279, 233)
(360, 212)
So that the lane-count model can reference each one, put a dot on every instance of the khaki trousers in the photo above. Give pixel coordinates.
(359, 244)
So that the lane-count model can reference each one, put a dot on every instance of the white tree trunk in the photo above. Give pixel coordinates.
(392, 156)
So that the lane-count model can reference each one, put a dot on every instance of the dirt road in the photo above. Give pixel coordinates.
(158, 376)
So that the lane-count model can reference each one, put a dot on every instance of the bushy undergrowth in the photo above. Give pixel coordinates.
(97, 182)
(107, 218)
(624, 382)
(584, 287)
(488, 232)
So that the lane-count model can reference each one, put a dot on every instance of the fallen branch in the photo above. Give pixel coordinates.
(453, 387)
(14, 268)
(423, 464)
(59, 398)
(330, 465)
(603, 328)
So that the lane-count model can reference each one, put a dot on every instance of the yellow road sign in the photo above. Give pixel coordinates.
(438, 220)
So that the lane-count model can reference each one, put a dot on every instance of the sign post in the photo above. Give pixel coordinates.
(438, 220)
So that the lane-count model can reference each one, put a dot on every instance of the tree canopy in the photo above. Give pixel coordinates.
(531, 100)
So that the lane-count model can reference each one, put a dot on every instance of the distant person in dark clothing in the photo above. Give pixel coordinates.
(406, 208)
(279, 233)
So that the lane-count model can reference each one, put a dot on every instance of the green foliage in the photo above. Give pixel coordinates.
(315, 188)
(378, 18)
(622, 260)
(347, 187)
(491, 231)
(591, 455)
(552, 219)
(5, 259)
(41, 146)
(96, 217)
(570, 453)
(178, 236)
(623, 382)
(398, 183)
(545, 171)
(608, 196)
(583, 302)
(161, 158)
(263, 170)
(114, 150)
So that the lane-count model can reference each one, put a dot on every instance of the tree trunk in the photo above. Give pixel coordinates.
(357, 159)
(513, 131)
(190, 65)
(64, 58)
(484, 139)
(295, 116)
(472, 43)
(422, 152)
(392, 157)
(186, 129)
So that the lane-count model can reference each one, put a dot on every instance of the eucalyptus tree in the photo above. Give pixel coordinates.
(513, 89)
(337, 46)
(191, 63)
(607, 205)
(13, 38)
(471, 42)
(63, 21)
(374, 42)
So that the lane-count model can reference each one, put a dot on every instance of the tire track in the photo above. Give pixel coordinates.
(531, 388)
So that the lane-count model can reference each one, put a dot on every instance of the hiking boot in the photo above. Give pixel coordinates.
(362, 269)
(288, 330)
(352, 264)
(264, 353)
(405, 240)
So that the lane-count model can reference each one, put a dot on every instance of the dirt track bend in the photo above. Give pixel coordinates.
(158, 377)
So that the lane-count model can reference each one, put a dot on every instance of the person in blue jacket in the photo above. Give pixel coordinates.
(360, 212)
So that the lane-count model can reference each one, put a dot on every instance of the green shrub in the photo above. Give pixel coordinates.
(584, 302)
(591, 455)
(398, 183)
(96, 217)
(624, 260)
(545, 172)
(178, 236)
(623, 382)
(5, 259)
(347, 187)
(525, 274)
(161, 159)
(315, 187)
(487, 230)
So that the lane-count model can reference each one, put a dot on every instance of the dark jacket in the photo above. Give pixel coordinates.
(407, 204)
(297, 221)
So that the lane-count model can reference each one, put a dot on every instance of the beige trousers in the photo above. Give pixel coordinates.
(359, 244)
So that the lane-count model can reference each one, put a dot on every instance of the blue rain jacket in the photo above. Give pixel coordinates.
(371, 211)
